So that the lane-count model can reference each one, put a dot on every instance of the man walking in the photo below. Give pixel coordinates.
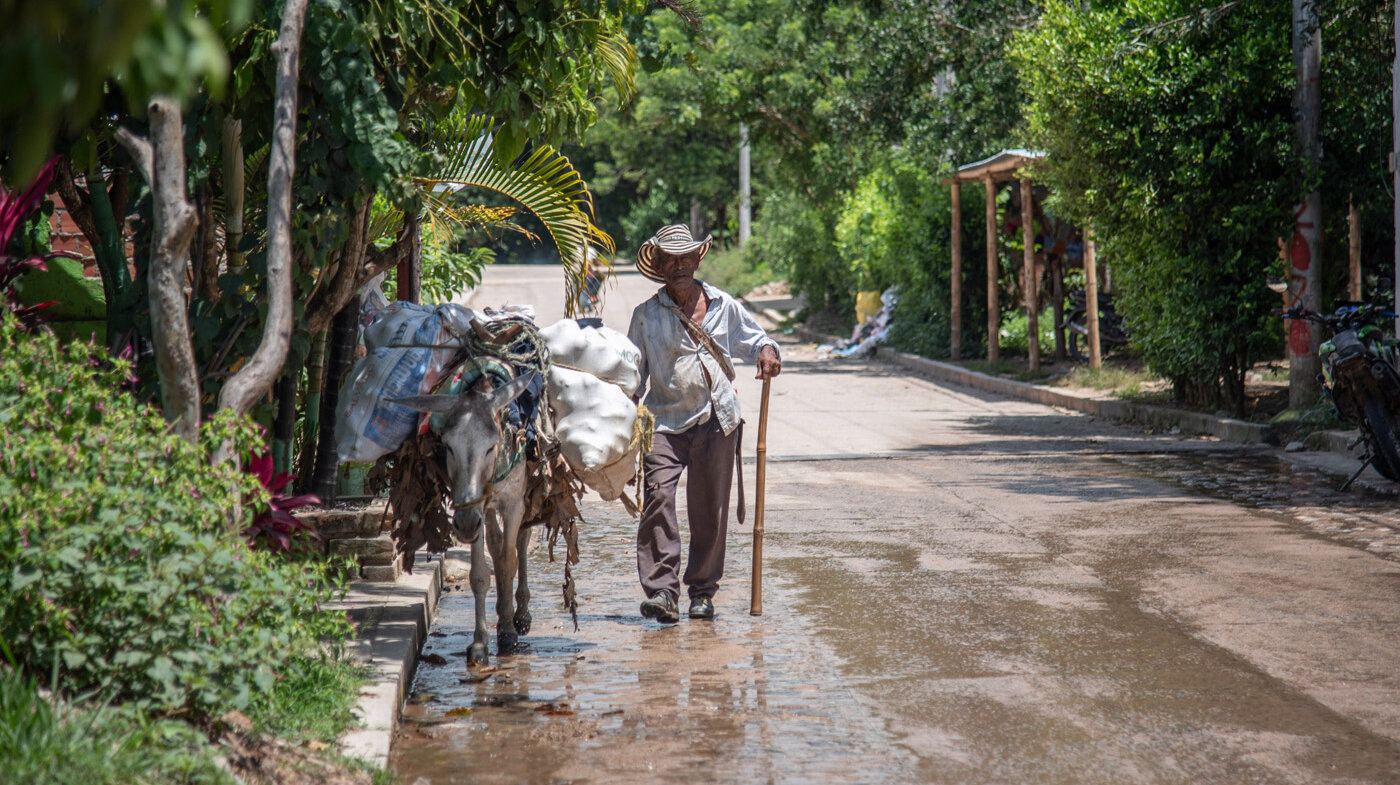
(688, 333)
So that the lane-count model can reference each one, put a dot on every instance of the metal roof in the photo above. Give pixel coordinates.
(1003, 163)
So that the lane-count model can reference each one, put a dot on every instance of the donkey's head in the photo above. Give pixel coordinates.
(471, 435)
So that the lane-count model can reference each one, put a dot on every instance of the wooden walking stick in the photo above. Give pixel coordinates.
(756, 586)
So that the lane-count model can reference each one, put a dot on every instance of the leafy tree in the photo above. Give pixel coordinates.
(378, 82)
(1168, 129)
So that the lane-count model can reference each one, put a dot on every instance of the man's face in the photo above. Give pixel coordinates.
(678, 269)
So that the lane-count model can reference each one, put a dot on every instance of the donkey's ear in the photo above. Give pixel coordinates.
(428, 403)
(503, 395)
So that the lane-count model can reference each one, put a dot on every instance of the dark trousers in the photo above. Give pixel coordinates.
(707, 455)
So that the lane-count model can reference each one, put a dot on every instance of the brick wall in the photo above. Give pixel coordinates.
(68, 237)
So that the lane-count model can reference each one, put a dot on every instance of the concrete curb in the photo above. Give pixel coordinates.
(392, 621)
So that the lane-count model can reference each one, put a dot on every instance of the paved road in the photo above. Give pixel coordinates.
(959, 589)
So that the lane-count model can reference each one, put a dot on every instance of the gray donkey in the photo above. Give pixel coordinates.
(488, 485)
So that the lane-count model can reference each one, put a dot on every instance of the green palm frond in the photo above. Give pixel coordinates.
(620, 58)
(543, 181)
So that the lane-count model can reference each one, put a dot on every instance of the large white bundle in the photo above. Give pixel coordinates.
(594, 420)
(601, 351)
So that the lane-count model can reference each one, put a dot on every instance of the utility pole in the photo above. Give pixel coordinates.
(1305, 247)
(745, 214)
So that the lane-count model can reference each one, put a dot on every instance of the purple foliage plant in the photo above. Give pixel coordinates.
(15, 209)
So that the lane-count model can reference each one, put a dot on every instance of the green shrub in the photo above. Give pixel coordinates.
(125, 571)
(896, 230)
(1177, 143)
(797, 238)
(56, 743)
(735, 271)
(921, 325)
(1016, 330)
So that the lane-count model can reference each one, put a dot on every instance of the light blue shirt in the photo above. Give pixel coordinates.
(672, 361)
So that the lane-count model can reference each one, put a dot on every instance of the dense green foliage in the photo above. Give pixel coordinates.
(851, 108)
(126, 573)
(1168, 127)
(57, 56)
(896, 230)
(1171, 133)
(58, 743)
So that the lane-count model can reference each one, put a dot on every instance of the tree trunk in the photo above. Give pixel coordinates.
(310, 432)
(254, 378)
(162, 161)
(207, 271)
(233, 192)
(344, 331)
(284, 427)
(358, 263)
(1305, 247)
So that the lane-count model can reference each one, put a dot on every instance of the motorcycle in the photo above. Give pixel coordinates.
(1076, 324)
(1360, 379)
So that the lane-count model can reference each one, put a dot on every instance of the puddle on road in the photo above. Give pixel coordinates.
(1005, 648)
(977, 654)
(737, 700)
(997, 685)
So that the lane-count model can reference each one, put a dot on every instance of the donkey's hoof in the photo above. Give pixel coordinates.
(522, 622)
(507, 643)
(478, 655)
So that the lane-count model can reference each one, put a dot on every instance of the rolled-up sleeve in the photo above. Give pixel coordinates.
(746, 338)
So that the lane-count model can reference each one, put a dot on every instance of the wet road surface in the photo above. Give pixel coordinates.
(962, 589)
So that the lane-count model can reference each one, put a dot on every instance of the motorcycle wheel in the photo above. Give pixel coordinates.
(1386, 455)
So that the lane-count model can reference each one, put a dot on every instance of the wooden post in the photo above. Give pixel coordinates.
(1354, 249)
(955, 283)
(1032, 284)
(409, 274)
(993, 308)
(1091, 300)
(1057, 295)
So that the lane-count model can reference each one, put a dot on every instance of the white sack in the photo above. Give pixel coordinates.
(594, 421)
(601, 351)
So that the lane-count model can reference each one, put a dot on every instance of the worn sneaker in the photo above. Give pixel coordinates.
(662, 607)
(701, 607)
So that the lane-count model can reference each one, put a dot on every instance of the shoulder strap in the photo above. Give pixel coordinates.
(704, 339)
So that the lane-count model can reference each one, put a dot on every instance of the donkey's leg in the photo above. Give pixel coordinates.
(503, 559)
(522, 591)
(480, 580)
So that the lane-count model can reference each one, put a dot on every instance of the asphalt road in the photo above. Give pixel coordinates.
(959, 588)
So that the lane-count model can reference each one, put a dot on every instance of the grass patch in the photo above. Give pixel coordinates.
(1033, 376)
(1124, 381)
(998, 368)
(314, 701)
(60, 743)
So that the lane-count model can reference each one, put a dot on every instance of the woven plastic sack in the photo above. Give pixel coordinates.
(409, 346)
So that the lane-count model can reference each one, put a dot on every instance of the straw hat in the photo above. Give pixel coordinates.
(673, 240)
